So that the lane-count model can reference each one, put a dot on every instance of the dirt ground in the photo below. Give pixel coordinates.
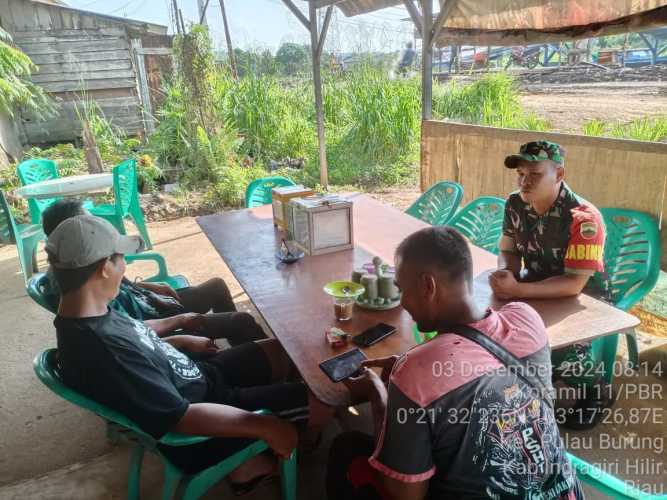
(569, 106)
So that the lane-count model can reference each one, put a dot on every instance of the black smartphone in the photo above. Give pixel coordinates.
(374, 334)
(344, 365)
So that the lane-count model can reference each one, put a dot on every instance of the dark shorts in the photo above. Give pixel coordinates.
(240, 377)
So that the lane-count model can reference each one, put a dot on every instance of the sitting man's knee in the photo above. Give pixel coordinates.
(217, 285)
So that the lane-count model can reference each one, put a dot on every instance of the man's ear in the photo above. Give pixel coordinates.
(560, 173)
(427, 285)
(104, 271)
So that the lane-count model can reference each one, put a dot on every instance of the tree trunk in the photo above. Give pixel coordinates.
(93, 157)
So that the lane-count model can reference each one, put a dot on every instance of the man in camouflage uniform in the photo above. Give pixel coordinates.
(552, 244)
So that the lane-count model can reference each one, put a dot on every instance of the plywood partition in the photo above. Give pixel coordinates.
(607, 172)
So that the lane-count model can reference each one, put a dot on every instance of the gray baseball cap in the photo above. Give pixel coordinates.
(85, 239)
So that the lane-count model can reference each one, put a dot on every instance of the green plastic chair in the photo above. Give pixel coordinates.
(610, 485)
(481, 221)
(126, 203)
(39, 170)
(438, 203)
(259, 193)
(31, 172)
(421, 337)
(193, 486)
(632, 265)
(176, 281)
(37, 287)
(26, 237)
(38, 290)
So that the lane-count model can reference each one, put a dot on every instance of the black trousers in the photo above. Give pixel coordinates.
(346, 449)
(224, 322)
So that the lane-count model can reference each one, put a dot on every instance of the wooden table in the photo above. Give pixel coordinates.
(291, 300)
(73, 185)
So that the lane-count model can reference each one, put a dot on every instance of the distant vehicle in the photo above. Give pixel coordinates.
(528, 57)
(639, 57)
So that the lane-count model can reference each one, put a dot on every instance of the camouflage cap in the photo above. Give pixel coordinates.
(537, 151)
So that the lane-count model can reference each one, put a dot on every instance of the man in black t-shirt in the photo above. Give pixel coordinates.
(122, 363)
(158, 305)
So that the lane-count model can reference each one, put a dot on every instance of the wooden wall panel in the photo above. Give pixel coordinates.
(82, 57)
(607, 172)
(77, 51)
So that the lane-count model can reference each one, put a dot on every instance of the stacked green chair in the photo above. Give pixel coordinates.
(40, 170)
(632, 266)
(31, 172)
(38, 286)
(126, 203)
(438, 204)
(26, 237)
(258, 192)
(192, 486)
(481, 221)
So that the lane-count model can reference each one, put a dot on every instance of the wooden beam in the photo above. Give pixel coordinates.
(427, 59)
(155, 51)
(144, 89)
(446, 7)
(325, 3)
(299, 15)
(74, 48)
(414, 14)
(323, 32)
(317, 83)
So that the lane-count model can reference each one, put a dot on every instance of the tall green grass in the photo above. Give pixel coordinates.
(492, 100)
(372, 122)
(652, 129)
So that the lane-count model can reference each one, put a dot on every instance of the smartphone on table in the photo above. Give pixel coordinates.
(373, 335)
(344, 365)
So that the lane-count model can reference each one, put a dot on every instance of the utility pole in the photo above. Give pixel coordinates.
(230, 50)
(180, 16)
(174, 6)
(202, 5)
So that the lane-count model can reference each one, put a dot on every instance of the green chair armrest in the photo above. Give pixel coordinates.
(162, 276)
(176, 439)
(606, 483)
(154, 256)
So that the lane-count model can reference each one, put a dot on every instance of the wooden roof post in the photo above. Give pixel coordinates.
(427, 59)
(316, 46)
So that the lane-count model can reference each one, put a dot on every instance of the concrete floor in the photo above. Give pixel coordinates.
(51, 450)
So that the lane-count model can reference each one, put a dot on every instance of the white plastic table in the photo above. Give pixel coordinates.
(74, 185)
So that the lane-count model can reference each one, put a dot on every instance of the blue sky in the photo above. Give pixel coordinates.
(267, 23)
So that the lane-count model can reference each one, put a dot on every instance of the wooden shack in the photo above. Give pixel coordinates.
(81, 54)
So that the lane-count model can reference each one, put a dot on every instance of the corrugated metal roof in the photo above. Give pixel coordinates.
(517, 22)
(355, 7)
(514, 22)
(142, 25)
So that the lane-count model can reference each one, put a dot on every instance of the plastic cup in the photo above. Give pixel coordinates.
(343, 308)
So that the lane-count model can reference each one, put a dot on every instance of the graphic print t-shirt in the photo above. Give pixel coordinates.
(123, 364)
(457, 417)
